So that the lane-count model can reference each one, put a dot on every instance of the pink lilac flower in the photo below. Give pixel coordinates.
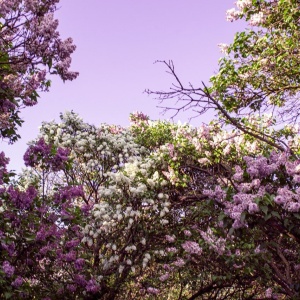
(269, 293)
(152, 290)
(192, 247)
(232, 14)
(257, 19)
(179, 262)
(239, 174)
(164, 277)
(223, 47)
(241, 4)
(170, 239)
(187, 233)
(172, 249)
(171, 149)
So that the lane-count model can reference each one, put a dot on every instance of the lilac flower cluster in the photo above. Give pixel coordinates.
(20, 199)
(8, 269)
(68, 193)
(17, 282)
(137, 118)
(3, 163)
(261, 166)
(289, 200)
(152, 290)
(216, 244)
(192, 247)
(218, 194)
(35, 50)
(42, 153)
(92, 286)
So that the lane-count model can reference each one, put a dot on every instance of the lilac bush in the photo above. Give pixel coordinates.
(31, 48)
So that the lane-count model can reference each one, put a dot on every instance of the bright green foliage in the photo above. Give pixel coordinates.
(261, 70)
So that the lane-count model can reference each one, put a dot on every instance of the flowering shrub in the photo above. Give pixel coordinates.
(140, 211)
(160, 210)
(31, 48)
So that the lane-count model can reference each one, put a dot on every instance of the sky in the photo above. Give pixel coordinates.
(118, 42)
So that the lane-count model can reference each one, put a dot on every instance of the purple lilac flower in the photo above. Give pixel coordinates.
(8, 269)
(68, 193)
(3, 162)
(73, 243)
(35, 152)
(69, 257)
(253, 208)
(79, 263)
(59, 159)
(80, 280)
(239, 174)
(172, 249)
(218, 194)
(10, 248)
(22, 199)
(92, 286)
(41, 150)
(17, 282)
(71, 287)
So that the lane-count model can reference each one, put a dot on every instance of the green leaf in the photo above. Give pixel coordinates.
(264, 208)
(275, 214)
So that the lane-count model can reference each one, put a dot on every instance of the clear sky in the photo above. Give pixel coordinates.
(117, 43)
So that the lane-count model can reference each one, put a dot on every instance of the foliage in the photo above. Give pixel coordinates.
(30, 48)
(261, 66)
(126, 213)
(161, 210)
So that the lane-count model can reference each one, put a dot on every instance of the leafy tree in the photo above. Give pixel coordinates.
(30, 48)
(167, 211)
(259, 73)
(159, 201)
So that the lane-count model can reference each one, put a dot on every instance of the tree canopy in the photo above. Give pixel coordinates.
(164, 210)
(30, 48)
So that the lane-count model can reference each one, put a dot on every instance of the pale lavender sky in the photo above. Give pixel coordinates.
(117, 44)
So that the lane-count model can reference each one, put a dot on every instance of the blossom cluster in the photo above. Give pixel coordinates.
(33, 49)
(134, 208)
